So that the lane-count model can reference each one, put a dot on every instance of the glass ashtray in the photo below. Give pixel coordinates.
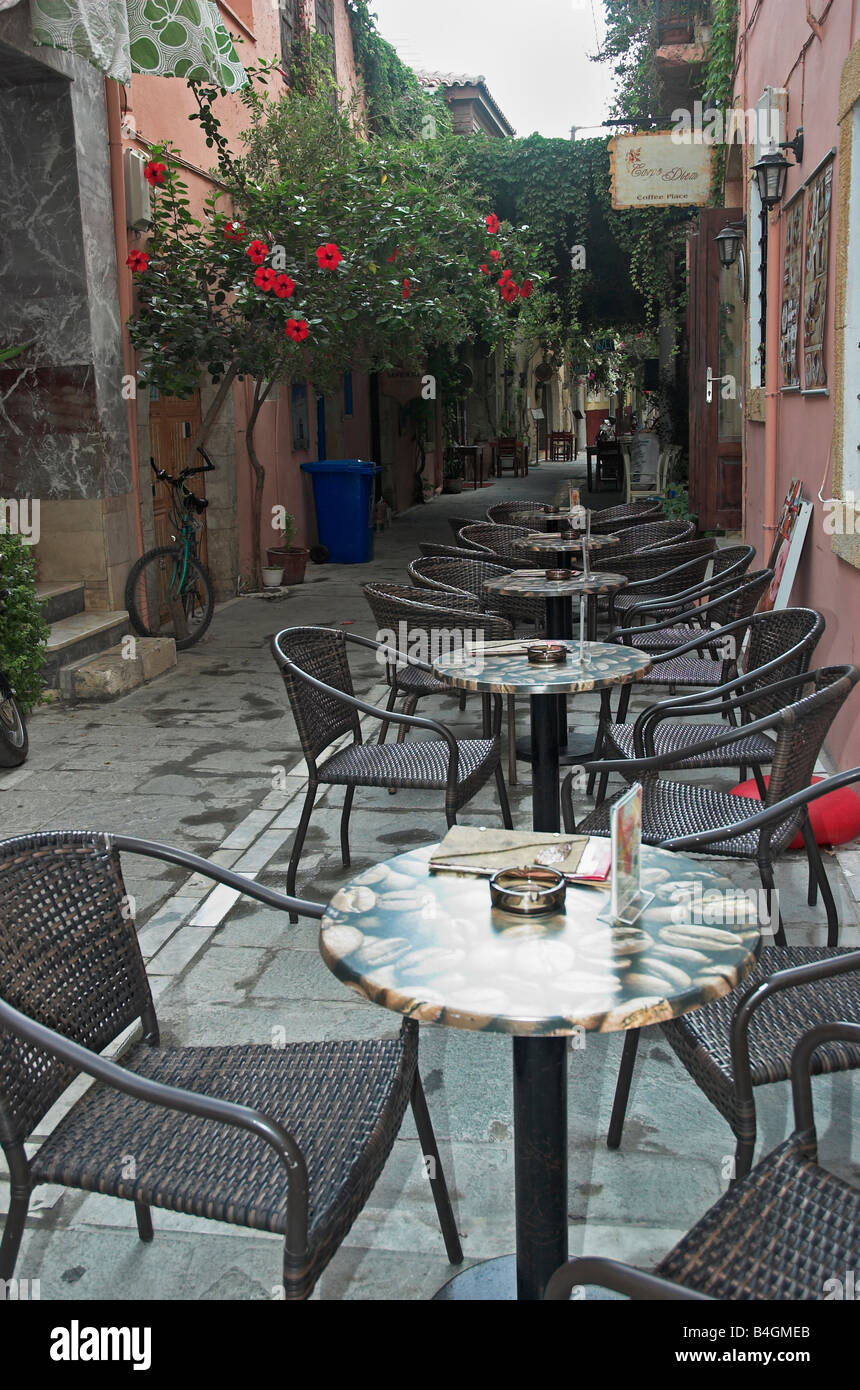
(547, 653)
(528, 892)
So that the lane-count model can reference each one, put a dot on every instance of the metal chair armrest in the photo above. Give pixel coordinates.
(270, 896)
(801, 1079)
(186, 1102)
(780, 811)
(620, 1278)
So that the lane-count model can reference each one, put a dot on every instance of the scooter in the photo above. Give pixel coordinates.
(14, 741)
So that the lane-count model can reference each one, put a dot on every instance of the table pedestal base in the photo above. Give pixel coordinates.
(491, 1282)
(579, 749)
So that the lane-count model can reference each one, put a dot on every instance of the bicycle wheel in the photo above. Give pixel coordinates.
(168, 595)
(14, 742)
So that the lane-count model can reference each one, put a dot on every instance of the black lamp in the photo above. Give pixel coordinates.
(729, 241)
(771, 172)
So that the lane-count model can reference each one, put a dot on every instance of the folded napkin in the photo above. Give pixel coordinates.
(482, 853)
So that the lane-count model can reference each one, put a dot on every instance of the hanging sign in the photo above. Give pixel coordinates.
(653, 170)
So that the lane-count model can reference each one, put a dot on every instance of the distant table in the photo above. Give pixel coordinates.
(547, 688)
(475, 453)
(432, 947)
(611, 455)
(555, 547)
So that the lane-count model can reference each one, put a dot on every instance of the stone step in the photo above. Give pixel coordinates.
(62, 600)
(81, 635)
(117, 671)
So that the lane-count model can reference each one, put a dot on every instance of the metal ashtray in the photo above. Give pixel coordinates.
(547, 653)
(560, 576)
(528, 892)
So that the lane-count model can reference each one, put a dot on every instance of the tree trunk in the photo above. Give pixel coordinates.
(208, 421)
(261, 391)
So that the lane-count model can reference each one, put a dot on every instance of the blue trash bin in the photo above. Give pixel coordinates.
(343, 494)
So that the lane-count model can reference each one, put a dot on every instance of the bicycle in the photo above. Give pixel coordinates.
(169, 591)
(14, 740)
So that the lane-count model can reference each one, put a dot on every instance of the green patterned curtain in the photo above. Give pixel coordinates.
(166, 38)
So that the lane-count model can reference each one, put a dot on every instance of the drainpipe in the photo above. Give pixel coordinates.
(114, 118)
(772, 368)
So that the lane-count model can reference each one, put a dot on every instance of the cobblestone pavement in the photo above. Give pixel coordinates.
(208, 759)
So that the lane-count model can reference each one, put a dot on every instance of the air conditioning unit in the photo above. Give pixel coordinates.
(138, 209)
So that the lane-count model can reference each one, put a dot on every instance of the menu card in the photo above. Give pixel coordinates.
(467, 849)
(627, 899)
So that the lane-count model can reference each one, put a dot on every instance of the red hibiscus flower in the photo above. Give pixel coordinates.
(284, 287)
(329, 256)
(265, 278)
(154, 173)
(527, 289)
(495, 255)
(493, 224)
(407, 289)
(505, 277)
(257, 252)
(485, 270)
(297, 329)
(393, 257)
(235, 232)
(137, 260)
(510, 292)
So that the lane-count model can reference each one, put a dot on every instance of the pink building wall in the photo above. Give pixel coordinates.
(774, 56)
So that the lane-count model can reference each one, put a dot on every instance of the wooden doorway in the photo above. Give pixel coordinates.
(172, 423)
(715, 327)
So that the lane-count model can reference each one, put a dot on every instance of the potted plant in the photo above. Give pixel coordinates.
(291, 559)
(273, 576)
(452, 474)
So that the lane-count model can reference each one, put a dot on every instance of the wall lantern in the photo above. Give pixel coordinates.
(772, 169)
(729, 242)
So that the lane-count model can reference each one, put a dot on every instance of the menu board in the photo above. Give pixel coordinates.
(819, 198)
(644, 461)
(789, 353)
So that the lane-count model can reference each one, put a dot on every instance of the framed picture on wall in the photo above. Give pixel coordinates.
(818, 202)
(787, 549)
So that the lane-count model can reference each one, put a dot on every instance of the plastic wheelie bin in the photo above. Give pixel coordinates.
(344, 499)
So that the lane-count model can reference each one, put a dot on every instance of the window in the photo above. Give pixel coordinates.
(325, 26)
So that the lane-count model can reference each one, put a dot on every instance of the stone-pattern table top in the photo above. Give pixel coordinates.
(606, 664)
(534, 584)
(556, 542)
(433, 947)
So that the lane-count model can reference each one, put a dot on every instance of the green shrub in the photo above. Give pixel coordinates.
(23, 630)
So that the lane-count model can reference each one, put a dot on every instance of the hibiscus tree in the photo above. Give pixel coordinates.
(320, 253)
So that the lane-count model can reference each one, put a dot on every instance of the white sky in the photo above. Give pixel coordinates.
(533, 53)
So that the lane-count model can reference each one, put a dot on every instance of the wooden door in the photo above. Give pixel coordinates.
(172, 423)
(715, 326)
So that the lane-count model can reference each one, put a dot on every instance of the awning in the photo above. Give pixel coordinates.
(164, 38)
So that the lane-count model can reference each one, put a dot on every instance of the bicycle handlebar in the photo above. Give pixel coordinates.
(165, 477)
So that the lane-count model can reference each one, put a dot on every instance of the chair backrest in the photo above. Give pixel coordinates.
(451, 552)
(458, 522)
(69, 958)
(497, 540)
(731, 561)
(320, 719)
(803, 727)
(506, 513)
(626, 514)
(788, 636)
(650, 567)
(423, 612)
(455, 576)
(741, 600)
(655, 535)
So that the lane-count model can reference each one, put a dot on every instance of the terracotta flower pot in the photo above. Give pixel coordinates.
(294, 562)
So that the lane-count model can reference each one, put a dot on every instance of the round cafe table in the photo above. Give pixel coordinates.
(554, 547)
(547, 687)
(558, 595)
(433, 947)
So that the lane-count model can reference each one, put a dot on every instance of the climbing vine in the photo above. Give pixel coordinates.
(720, 74)
(396, 104)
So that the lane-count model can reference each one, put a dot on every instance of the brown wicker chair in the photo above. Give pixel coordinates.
(314, 665)
(458, 522)
(469, 576)
(448, 551)
(288, 1140)
(497, 543)
(513, 514)
(653, 535)
(782, 1233)
(738, 599)
(694, 810)
(605, 520)
(728, 566)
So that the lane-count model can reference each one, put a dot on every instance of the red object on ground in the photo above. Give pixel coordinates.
(835, 818)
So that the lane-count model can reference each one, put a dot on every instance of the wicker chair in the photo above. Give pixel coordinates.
(512, 514)
(608, 519)
(675, 567)
(451, 552)
(729, 564)
(497, 542)
(672, 809)
(780, 649)
(457, 576)
(653, 535)
(735, 600)
(781, 1233)
(288, 1140)
(458, 522)
(314, 665)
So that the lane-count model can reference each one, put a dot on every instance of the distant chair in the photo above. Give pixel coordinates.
(560, 446)
(518, 514)
(511, 454)
(604, 520)
(499, 541)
